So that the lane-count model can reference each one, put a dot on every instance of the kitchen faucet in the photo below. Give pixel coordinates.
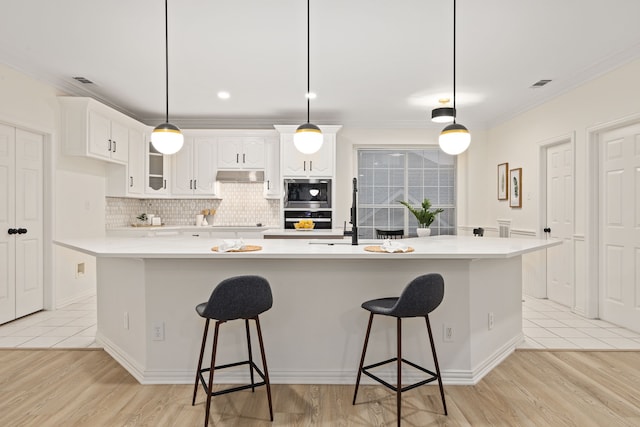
(354, 216)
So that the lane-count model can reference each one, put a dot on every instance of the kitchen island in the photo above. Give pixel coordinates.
(147, 290)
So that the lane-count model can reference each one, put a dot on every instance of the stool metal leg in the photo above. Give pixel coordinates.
(246, 324)
(213, 364)
(435, 361)
(364, 351)
(204, 341)
(264, 365)
(399, 380)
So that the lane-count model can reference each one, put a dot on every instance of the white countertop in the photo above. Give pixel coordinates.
(436, 247)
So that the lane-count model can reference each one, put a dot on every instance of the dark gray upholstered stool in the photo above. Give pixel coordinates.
(419, 298)
(389, 234)
(240, 297)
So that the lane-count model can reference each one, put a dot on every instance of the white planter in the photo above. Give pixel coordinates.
(423, 231)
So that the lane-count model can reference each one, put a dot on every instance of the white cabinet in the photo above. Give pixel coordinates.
(272, 182)
(21, 222)
(129, 180)
(157, 171)
(94, 130)
(297, 164)
(194, 167)
(236, 152)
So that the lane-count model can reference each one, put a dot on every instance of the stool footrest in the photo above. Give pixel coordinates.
(433, 377)
(208, 388)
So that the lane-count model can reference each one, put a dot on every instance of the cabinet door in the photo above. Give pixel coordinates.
(135, 165)
(99, 135)
(252, 156)
(321, 163)
(293, 161)
(119, 142)
(182, 169)
(157, 168)
(272, 184)
(204, 166)
(229, 152)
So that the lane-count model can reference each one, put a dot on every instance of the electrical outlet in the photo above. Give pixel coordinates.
(125, 320)
(157, 331)
(491, 320)
(448, 333)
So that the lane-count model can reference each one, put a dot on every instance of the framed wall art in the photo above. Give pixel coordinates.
(515, 188)
(503, 181)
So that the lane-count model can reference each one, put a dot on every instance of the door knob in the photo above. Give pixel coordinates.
(12, 231)
(547, 230)
(22, 231)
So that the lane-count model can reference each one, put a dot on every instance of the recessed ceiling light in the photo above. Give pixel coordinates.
(310, 95)
(224, 94)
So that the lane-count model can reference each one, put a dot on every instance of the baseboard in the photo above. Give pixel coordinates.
(60, 303)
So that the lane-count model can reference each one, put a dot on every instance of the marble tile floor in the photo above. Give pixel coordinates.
(546, 324)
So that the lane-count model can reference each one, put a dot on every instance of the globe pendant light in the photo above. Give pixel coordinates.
(454, 138)
(308, 137)
(167, 138)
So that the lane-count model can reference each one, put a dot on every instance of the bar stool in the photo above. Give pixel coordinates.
(240, 297)
(419, 298)
(389, 234)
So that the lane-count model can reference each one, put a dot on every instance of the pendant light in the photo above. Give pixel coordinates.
(167, 138)
(454, 138)
(308, 137)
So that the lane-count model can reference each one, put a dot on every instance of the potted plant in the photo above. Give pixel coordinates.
(142, 219)
(424, 215)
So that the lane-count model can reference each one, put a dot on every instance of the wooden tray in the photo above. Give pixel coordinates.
(378, 249)
(245, 248)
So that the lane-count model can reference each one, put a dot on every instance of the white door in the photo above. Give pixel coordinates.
(29, 210)
(560, 186)
(21, 254)
(619, 248)
(7, 221)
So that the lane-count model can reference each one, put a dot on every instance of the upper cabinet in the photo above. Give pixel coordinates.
(298, 165)
(194, 167)
(272, 182)
(157, 171)
(92, 129)
(129, 180)
(240, 152)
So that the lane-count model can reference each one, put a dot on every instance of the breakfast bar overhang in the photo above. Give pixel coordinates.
(147, 290)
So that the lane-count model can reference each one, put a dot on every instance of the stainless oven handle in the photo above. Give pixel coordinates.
(312, 219)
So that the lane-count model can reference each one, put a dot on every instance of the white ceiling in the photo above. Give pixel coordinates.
(377, 63)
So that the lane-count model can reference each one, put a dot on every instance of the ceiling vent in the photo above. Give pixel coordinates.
(539, 83)
(83, 80)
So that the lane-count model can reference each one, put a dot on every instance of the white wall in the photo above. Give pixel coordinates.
(70, 184)
(613, 96)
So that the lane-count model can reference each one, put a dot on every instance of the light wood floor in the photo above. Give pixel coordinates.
(530, 388)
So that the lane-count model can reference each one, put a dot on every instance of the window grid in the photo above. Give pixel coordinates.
(387, 176)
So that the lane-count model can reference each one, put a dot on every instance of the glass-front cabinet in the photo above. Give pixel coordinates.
(157, 171)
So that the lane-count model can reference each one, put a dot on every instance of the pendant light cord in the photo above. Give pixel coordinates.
(166, 58)
(455, 112)
(308, 64)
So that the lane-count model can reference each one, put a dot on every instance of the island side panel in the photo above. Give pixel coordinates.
(315, 330)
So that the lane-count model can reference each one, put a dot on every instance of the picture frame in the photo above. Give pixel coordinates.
(515, 188)
(503, 181)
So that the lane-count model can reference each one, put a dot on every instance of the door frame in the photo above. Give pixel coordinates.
(48, 199)
(592, 240)
(543, 153)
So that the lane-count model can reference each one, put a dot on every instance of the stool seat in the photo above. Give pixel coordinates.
(386, 234)
(419, 298)
(240, 297)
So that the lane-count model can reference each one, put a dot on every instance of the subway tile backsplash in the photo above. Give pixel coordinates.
(241, 204)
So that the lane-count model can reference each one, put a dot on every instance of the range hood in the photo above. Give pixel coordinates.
(240, 176)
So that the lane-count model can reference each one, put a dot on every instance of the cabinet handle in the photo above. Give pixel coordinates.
(237, 158)
(130, 181)
(190, 184)
(114, 145)
(268, 185)
(165, 184)
(195, 184)
(243, 158)
(109, 149)
(304, 165)
(310, 165)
